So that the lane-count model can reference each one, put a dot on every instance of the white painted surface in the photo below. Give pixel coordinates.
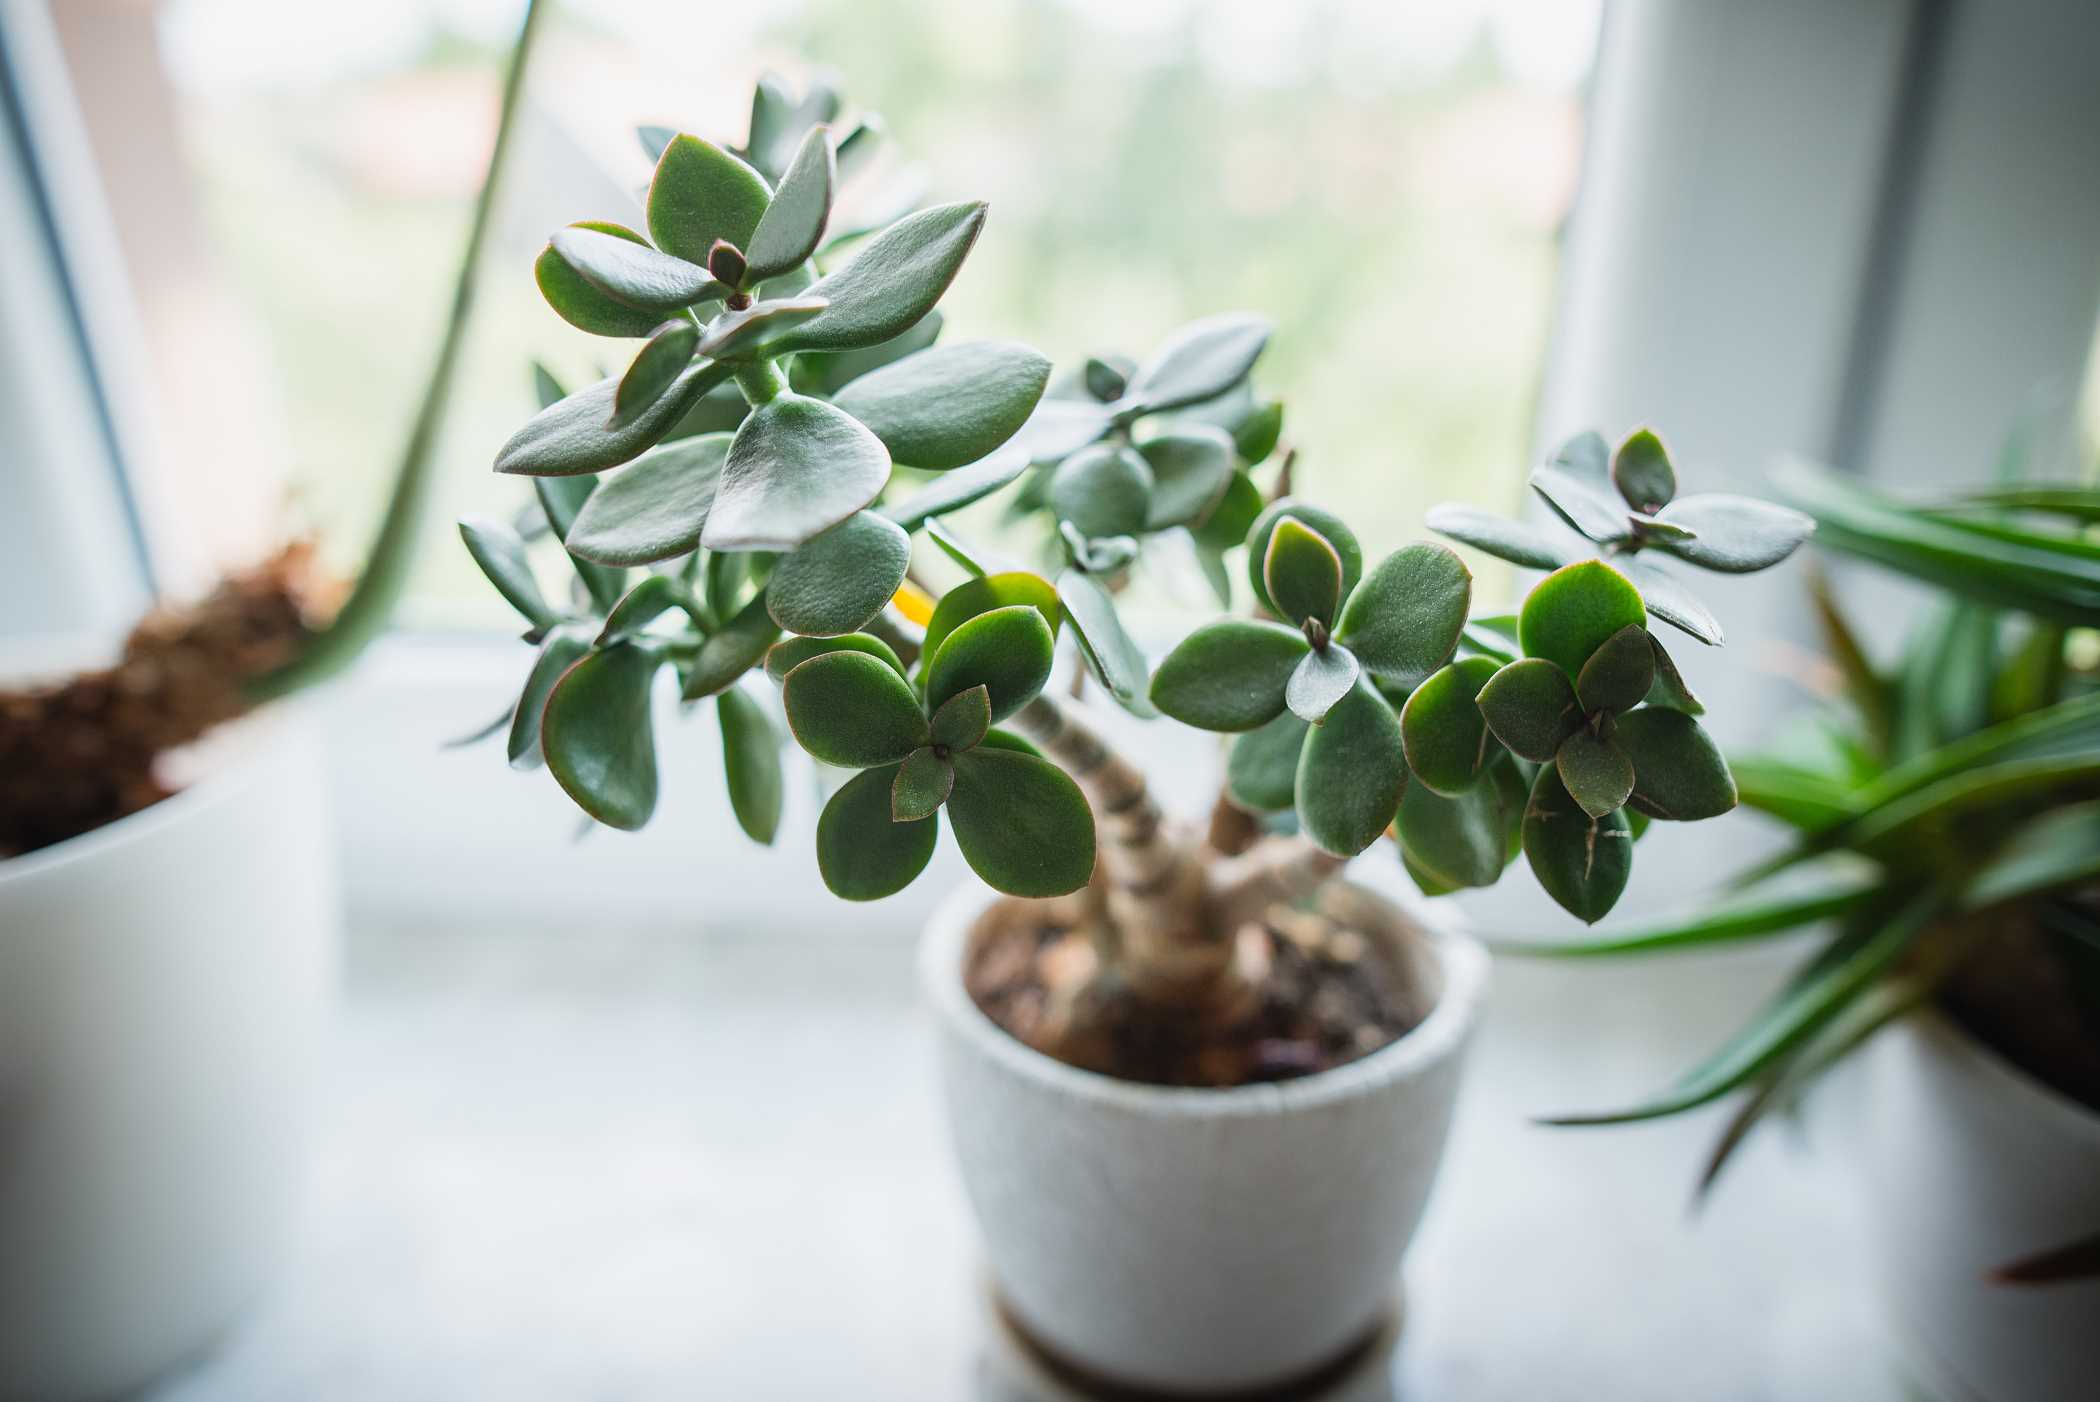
(1966, 1165)
(164, 984)
(1196, 1240)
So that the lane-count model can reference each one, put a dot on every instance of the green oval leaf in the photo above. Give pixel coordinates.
(1235, 514)
(656, 366)
(656, 595)
(616, 262)
(922, 785)
(892, 282)
(983, 594)
(862, 853)
(1330, 529)
(1619, 673)
(1259, 432)
(1322, 678)
(1404, 620)
(576, 435)
(950, 405)
(500, 552)
(565, 646)
(1678, 770)
(1735, 535)
(1442, 729)
(1569, 614)
(701, 193)
(582, 303)
(1103, 490)
(1022, 824)
(1229, 675)
(1597, 773)
(1458, 840)
(961, 722)
(796, 468)
(849, 709)
(1580, 861)
(751, 764)
(1007, 651)
(1302, 574)
(785, 656)
(1641, 471)
(598, 737)
(1531, 707)
(952, 491)
(1351, 774)
(1504, 539)
(1108, 651)
(1191, 468)
(789, 230)
(1591, 510)
(834, 583)
(1200, 361)
(655, 509)
(1261, 768)
(1669, 688)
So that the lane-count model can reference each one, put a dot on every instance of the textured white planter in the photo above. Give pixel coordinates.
(1196, 1240)
(1968, 1165)
(163, 984)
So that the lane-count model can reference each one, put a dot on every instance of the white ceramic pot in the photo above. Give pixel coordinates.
(163, 984)
(1970, 1164)
(1191, 1240)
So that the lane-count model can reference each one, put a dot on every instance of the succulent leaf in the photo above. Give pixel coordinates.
(1329, 527)
(1261, 767)
(654, 509)
(564, 646)
(793, 223)
(1351, 774)
(961, 722)
(1569, 614)
(796, 468)
(1594, 511)
(656, 366)
(619, 263)
(699, 194)
(1404, 620)
(981, 595)
(1581, 861)
(1229, 675)
(1103, 490)
(576, 435)
(1596, 772)
(1108, 651)
(1446, 738)
(1191, 468)
(587, 306)
(1641, 471)
(734, 649)
(852, 710)
(863, 853)
(922, 785)
(950, 405)
(1302, 574)
(500, 552)
(1458, 840)
(1200, 361)
(598, 737)
(751, 764)
(1008, 651)
(1497, 536)
(788, 654)
(892, 282)
(1531, 707)
(1619, 673)
(952, 491)
(1679, 773)
(1320, 680)
(1021, 822)
(1735, 535)
(835, 582)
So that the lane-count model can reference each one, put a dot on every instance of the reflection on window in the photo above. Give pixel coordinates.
(1385, 181)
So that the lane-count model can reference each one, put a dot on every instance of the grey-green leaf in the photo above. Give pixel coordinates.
(751, 764)
(631, 272)
(1229, 675)
(1403, 621)
(1321, 679)
(1103, 490)
(1200, 361)
(1301, 574)
(655, 509)
(655, 368)
(575, 435)
(892, 282)
(1498, 536)
(1110, 654)
(1641, 471)
(952, 491)
(1588, 509)
(565, 646)
(796, 468)
(1445, 735)
(1736, 535)
(1619, 673)
(793, 224)
(835, 582)
(1331, 529)
(1191, 467)
(1351, 774)
(949, 405)
(732, 650)
(1458, 840)
(581, 302)
(701, 193)
(1022, 824)
(500, 552)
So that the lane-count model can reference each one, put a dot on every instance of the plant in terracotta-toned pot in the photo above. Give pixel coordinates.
(1199, 1082)
(1945, 812)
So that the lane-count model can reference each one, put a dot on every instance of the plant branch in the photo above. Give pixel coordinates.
(1276, 870)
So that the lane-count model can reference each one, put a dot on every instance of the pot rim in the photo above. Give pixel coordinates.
(1981, 1061)
(262, 734)
(1461, 960)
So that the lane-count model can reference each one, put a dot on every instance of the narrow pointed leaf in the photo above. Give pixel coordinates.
(1581, 861)
(598, 737)
(1570, 613)
(949, 405)
(1322, 678)
(751, 764)
(1302, 574)
(835, 582)
(751, 334)
(892, 282)
(922, 785)
(1596, 772)
(1261, 768)
(618, 263)
(654, 509)
(1679, 773)
(1446, 737)
(1736, 535)
(1008, 651)
(1060, 427)
(1641, 471)
(1200, 361)
(1498, 536)
(576, 435)
(863, 854)
(796, 468)
(701, 193)
(1022, 824)
(1351, 774)
(1108, 651)
(1745, 918)
(1229, 521)
(563, 648)
(1619, 673)
(655, 368)
(561, 501)
(793, 224)
(1103, 490)
(500, 553)
(1229, 675)
(654, 596)
(1404, 620)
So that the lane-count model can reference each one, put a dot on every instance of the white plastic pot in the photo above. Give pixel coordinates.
(1970, 1164)
(1193, 1240)
(163, 986)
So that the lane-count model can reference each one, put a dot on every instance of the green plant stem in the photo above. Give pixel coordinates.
(761, 382)
(385, 575)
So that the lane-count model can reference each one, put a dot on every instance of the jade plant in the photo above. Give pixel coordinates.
(1943, 808)
(743, 497)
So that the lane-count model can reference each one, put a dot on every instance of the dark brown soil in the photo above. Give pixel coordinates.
(87, 751)
(1338, 987)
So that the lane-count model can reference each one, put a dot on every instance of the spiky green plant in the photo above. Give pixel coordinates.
(1945, 814)
(789, 421)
